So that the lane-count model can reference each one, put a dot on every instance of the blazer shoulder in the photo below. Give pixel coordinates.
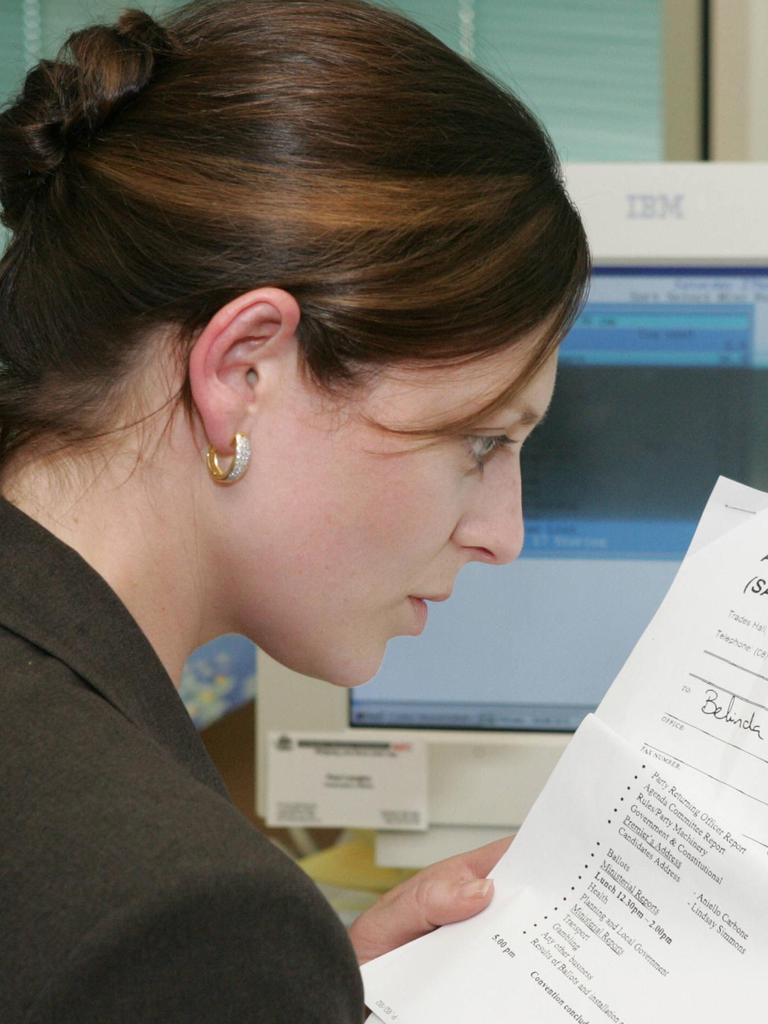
(218, 947)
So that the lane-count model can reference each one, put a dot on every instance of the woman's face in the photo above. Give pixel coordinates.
(346, 530)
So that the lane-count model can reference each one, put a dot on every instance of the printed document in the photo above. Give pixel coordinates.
(638, 884)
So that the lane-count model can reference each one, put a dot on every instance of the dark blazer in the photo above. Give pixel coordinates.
(131, 889)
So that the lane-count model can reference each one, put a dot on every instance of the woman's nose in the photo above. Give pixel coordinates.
(493, 529)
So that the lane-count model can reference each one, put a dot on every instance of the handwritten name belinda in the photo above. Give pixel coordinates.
(726, 713)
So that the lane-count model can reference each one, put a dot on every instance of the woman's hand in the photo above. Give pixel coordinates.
(448, 891)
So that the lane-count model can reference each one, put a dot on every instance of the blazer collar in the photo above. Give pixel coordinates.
(54, 599)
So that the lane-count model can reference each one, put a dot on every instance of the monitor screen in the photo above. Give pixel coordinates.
(662, 387)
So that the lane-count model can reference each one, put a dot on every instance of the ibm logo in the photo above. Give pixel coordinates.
(655, 206)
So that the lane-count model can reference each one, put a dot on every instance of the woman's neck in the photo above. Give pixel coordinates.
(132, 526)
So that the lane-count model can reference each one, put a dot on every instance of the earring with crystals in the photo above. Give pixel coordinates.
(238, 465)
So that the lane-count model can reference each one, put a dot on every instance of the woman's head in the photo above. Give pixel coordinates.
(328, 150)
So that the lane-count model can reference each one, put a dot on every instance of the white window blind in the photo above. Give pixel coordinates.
(590, 69)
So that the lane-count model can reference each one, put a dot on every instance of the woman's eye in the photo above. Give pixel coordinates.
(482, 448)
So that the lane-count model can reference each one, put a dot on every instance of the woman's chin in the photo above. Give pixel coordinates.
(358, 663)
(354, 673)
(351, 670)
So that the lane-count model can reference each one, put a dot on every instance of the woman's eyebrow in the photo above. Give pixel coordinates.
(530, 417)
(525, 417)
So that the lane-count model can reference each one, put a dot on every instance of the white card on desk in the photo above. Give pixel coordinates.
(335, 779)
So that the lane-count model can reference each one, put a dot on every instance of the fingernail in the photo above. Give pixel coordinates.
(476, 890)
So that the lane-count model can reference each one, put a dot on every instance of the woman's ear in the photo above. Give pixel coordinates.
(241, 355)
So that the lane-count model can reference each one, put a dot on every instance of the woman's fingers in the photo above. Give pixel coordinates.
(449, 891)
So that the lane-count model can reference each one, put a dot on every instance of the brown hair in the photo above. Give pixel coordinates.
(153, 172)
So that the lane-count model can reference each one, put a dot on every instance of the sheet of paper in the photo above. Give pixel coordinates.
(638, 885)
(694, 692)
(729, 505)
(603, 911)
(334, 779)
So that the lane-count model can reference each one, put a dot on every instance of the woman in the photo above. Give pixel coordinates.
(282, 301)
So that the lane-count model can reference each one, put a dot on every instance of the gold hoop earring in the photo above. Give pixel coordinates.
(237, 467)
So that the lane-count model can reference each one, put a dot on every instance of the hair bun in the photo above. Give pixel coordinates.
(65, 102)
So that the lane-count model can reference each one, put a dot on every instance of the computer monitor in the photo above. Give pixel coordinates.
(662, 386)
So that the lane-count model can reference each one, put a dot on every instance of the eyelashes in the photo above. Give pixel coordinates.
(481, 448)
